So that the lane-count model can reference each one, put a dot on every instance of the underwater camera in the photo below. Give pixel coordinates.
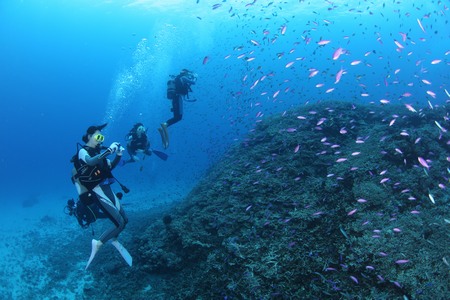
(70, 208)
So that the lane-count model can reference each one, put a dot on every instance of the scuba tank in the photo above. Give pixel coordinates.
(171, 89)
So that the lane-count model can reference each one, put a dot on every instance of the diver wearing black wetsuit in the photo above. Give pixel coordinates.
(177, 90)
(137, 142)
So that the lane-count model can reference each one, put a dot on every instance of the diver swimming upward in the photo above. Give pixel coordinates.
(178, 89)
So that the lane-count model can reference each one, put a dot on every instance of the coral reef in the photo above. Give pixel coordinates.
(326, 201)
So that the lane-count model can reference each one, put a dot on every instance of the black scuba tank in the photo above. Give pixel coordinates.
(171, 89)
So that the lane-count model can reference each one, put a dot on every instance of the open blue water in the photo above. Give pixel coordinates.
(66, 65)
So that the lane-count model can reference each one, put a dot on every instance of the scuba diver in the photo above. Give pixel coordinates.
(178, 89)
(93, 178)
(138, 143)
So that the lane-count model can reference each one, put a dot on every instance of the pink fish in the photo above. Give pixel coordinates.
(432, 94)
(338, 76)
(341, 160)
(320, 122)
(254, 42)
(323, 42)
(276, 94)
(384, 180)
(205, 60)
(423, 162)
(401, 261)
(337, 53)
(296, 148)
(398, 44)
(352, 212)
(403, 36)
(291, 129)
(329, 90)
(283, 29)
(254, 84)
(355, 62)
(420, 25)
(289, 64)
(313, 72)
(435, 61)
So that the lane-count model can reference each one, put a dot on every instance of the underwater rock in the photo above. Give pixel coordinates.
(327, 201)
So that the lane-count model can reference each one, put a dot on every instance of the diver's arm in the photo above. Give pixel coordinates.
(116, 161)
(94, 160)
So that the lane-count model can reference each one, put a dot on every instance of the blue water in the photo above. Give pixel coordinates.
(66, 65)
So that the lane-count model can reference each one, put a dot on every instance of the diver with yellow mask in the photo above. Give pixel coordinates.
(93, 178)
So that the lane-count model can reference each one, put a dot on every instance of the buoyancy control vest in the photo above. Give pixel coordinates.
(90, 176)
(177, 86)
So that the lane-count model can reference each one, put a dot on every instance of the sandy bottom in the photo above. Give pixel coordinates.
(40, 239)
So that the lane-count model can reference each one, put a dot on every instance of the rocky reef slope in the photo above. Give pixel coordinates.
(331, 200)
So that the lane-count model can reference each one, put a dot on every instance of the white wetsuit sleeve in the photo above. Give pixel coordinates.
(92, 161)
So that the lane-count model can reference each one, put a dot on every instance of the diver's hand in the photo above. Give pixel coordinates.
(120, 151)
(113, 147)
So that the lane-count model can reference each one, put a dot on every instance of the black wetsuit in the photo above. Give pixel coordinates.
(138, 143)
(182, 88)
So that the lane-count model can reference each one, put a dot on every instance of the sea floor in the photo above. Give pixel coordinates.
(41, 244)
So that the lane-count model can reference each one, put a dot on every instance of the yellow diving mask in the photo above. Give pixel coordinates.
(99, 137)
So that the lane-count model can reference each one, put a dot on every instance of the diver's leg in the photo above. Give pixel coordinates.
(132, 153)
(177, 108)
(110, 205)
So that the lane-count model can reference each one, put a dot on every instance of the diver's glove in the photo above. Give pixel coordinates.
(120, 150)
(113, 147)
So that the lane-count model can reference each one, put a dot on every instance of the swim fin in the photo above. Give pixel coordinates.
(95, 247)
(166, 135)
(124, 252)
(163, 137)
(160, 154)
